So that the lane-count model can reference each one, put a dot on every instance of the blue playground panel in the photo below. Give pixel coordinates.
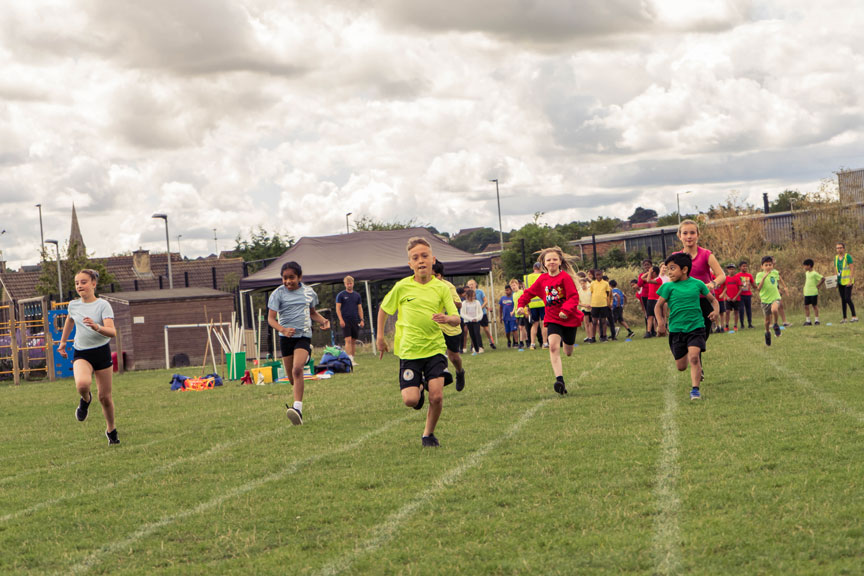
(56, 320)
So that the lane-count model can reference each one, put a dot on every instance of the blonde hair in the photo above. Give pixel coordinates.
(688, 222)
(565, 264)
(351, 278)
(416, 241)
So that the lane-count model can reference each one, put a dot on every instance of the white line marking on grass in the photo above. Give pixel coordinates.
(94, 558)
(666, 533)
(385, 531)
(825, 397)
(843, 348)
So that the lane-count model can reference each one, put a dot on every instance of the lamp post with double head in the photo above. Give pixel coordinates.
(168, 248)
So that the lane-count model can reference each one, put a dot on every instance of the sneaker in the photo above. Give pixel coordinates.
(648, 335)
(592, 340)
(546, 345)
(816, 323)
(509, 344)
(559, 387)
(786, 324)
(430, 441)
(353, 362)
(586, 340)
(854, 319)
(749, 326)
(492, 345)
(617, 331)
(83, 407)
(767, 337)
(481, 350)
(460, 381)
(422, 400)
(533, 347)
(777, 330)
(807, 323)
(473, 353)
(843, 321)
(630, 333)
(694, 394)
(294, 415)
(112, 437)
(448, 378)
(603, 339)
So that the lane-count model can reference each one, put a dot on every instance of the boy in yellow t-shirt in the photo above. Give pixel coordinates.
(601, 302)
(419, 342)
(521, 317)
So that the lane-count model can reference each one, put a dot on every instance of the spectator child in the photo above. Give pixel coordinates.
(686, 328)
(768, 282)
(583, 288)
(652, 282)
(472, 314)
(732, 291)
(619, 300)
(452, 334)
(349, 309)
(601, 301)
(746, 293)
(511, 329)
(812, 282)
(521, 318)
(561, 299)
(419, 342)
(484, 304)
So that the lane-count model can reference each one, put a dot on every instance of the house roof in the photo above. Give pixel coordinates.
(156, 295)
(628, 235)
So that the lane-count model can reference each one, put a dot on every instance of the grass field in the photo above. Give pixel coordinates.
(625, 475)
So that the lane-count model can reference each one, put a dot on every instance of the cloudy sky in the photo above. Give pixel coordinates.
(230, 114)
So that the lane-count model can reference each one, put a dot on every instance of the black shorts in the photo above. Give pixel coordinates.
(484, 321)
(599, 312)
(649, 307)
(680, 341)
(99, 358)
(811, 300)
(454, 343)
(351, 329)
(567, 333)
(412, 372)
(523, 321)
(618, 314)
(645, 304)
(288, 345)
(721, 305)
(537, 314)
(732, 304)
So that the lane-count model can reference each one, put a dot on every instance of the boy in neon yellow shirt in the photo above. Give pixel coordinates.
(768, 283)
(419, 342)
(812, 282)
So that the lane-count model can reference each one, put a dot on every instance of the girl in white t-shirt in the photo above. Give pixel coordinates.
(93, 320)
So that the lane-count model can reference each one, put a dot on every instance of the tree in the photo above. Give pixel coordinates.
(642, 215)
(261, 245)
(536, 237)
(73, 262)
(367, 223)
(788, 200)
(733, 206)
(603, 225)
(476, 240)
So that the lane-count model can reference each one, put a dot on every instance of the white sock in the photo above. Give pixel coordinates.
(298, 406)
(817, 318)
(806, 318)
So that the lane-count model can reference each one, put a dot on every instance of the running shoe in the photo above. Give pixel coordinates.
(816, 323)
(777, 330)
(854, 319)
(481, 350)
(786, 324)
(430, 441)
(694, 394)
(112, 437)
(460, 380)
(492, 344)
(295, 416)
(83, 407)
(559, 387)
(843, 321)
(767, 337)
(448, 378)
(807, 323)
(547, 345)
(422, 399)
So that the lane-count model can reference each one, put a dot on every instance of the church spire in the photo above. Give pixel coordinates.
(76, 241)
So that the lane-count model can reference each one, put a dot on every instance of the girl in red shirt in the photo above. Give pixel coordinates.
(558, 291)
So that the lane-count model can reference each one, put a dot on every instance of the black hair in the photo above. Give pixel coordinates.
(613, 283)
(438, 267)
(743, 263)
(460, 290)
(843, 244)
(767, 259)
(808, 262)
(656, 269)
(605, 277)
(681, 260)
(292, 266)
(634, 281)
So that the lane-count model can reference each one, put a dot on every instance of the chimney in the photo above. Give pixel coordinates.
(141, 263)
(765, 202)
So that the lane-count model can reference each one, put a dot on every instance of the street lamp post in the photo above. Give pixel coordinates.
(168, 248)
(500, 227)
(678, 199)
(2, 261)
(59, 277)
(41, 231)
(347, 228)
(179, 251)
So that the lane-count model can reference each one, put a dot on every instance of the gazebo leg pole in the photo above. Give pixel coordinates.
(371, 320)
(494, 307)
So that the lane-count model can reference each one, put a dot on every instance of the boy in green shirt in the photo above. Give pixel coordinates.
(812, 282)
(682, 296)
(419, 342)
(768, 283)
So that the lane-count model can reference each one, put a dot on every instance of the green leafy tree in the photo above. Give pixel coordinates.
(536, 237)
(71, 263)
(788, 200)
(367, 223)
(603, 225)
(672, 218)
(642, 215)
(477, 240)
(261, 245)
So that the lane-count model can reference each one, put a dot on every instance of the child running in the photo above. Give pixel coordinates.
(768, 283)
(812, 282)
(419, 342)
(558, 291)
(684, 295)
(291, 310)
(93, 320)
(452, 334)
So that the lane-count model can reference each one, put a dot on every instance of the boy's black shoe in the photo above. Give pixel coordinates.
(460, 380)
(448, 379)
(807, 323)
(559, 387)
(592, 340)
(83, 407)
(422, 399)
(492, 344)
(767, 337)
(777, 330)
(602, 339)
(629, 333)
(112, 437)
(430, 441)
(294, 415)
(648, 335)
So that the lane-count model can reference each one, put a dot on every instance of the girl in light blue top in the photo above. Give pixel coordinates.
(93, 321)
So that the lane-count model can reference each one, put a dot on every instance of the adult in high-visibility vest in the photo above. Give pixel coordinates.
(536, 308)
(845, 279)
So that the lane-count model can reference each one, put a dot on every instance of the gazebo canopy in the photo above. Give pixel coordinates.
(369, 256)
